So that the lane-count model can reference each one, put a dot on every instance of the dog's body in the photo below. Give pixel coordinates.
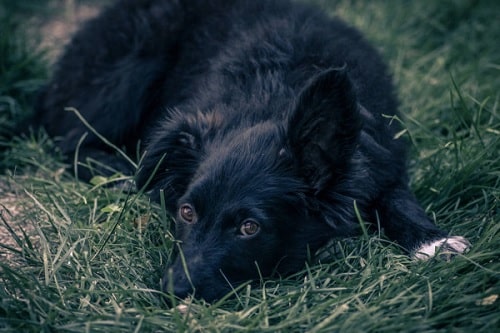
(264, 123)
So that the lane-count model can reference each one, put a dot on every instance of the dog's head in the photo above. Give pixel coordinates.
(244, 195)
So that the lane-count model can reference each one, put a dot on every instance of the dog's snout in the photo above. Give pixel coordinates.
(177, 283)
(196, 277)
(182, 290)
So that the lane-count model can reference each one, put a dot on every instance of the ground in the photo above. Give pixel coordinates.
(87, 257)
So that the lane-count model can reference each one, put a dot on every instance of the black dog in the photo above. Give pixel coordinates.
(265, 123)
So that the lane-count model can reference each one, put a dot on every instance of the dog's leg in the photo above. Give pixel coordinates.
(445, 247)
(111, 73)
(93, 162)
(405, 221)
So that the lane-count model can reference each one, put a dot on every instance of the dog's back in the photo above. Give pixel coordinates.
(140, 57)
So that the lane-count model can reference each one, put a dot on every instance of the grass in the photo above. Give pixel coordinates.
(86, 257)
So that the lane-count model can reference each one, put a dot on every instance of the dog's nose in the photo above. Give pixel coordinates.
(177, 283)
(182, 291)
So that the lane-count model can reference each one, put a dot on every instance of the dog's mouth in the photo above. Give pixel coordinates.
(182, 282)
(211, 289)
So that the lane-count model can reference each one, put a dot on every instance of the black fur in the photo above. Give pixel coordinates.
(262, 111)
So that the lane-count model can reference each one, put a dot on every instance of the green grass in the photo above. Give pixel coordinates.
(78, 261)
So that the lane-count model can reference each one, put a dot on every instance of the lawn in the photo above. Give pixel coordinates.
(77, 257)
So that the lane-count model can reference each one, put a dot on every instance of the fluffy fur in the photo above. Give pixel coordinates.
(263, 122)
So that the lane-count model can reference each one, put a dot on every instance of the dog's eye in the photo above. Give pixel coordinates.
(249, 227)
(186, 211)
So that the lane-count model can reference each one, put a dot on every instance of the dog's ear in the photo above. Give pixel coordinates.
(323, 129)
(172, 157)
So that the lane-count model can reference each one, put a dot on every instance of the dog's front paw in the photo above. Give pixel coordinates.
(445, 248)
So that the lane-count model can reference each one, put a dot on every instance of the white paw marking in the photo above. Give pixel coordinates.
(445, 246)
